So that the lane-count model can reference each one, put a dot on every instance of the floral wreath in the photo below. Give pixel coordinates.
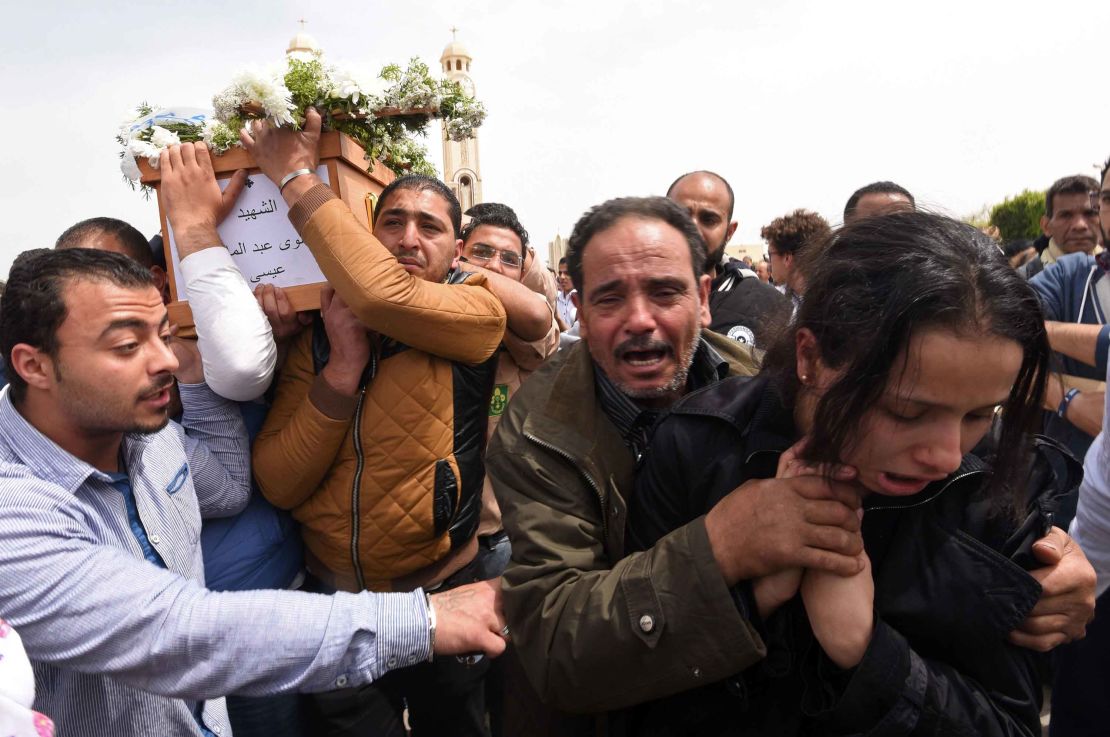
(384, 113)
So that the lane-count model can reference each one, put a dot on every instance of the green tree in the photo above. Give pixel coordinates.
(1019, 216)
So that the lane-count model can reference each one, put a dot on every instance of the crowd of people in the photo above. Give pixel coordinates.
(652, 490)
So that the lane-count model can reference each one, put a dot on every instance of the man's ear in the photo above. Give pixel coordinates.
(34, 366)
(162, 282)
(458, 253)
(731, 230)
(704, 285)
(160, 277)
(1044, 225)
(576, 299)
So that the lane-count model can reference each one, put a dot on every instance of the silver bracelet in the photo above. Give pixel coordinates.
(431, 627)
(291, 176)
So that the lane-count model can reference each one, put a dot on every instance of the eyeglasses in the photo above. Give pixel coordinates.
(483, 252)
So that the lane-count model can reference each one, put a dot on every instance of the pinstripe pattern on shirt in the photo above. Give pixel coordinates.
(123, 647)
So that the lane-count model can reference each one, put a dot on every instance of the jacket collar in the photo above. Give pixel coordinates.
(46, 459)
(572, 422)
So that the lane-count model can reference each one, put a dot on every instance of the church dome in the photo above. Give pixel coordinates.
(454, 49)
(303, 43)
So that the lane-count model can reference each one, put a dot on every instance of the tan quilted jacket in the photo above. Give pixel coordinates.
(380, 481)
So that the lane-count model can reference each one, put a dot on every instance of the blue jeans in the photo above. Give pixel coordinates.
(445, 698)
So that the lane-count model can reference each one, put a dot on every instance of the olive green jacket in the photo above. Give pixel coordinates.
(597, 630)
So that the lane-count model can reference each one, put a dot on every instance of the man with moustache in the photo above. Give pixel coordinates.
(1075, 296)
(101, 502)
(375, 436)
(1070, 222)
(588, 622)
(1079, 705)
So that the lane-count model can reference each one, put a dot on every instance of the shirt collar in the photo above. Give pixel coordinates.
(45, 458)
(626, 413)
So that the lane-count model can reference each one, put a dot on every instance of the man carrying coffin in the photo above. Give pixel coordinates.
(376, 435)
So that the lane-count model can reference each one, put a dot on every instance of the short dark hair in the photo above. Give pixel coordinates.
(1068, 185)
(875, 188)
(33, 306)
(790, 233)
(1016, 246)
(606, 215)
(876, 283)
(134, 242)
(486, 208)
(715, 175)
(420, 183)
(562, 261)
(496, 215)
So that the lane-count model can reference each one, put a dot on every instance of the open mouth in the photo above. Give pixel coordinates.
(645, 358)
(895, 483)
(158, 397)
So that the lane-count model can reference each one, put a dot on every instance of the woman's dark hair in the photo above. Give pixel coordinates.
(33, 306)
(876, 282)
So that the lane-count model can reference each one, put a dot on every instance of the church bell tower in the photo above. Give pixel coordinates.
(461, 171)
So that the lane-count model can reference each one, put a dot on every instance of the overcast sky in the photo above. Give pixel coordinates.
(797, 103)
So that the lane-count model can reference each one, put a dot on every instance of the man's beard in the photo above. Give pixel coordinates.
(681, 373)
(96, 414)
(715, 258)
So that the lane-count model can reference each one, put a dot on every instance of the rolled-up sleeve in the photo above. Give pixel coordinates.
(236, 342)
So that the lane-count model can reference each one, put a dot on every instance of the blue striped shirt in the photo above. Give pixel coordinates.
(123, 647)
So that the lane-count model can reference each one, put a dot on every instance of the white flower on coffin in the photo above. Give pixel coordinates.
(360, 89)
(161, 138)
(265, 88)
(129, 166)
(138, 147)
(414, 95)
(209, 129)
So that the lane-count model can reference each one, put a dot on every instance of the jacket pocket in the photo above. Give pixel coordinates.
(445, 499)
(456, 503)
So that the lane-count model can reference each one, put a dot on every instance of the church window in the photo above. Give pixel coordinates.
(466, 194)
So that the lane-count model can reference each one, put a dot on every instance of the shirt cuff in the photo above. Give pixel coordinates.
(308, 204)
(333, 403)
(403, 637)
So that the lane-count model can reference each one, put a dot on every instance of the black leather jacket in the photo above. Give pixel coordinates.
(950, 583)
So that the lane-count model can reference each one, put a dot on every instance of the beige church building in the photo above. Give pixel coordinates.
(461, 170)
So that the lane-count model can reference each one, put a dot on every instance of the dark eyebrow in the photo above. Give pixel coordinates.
(668, 281)
(653, 283)
(608, 286)
(132, 323)
(420, 215)
(393, 211)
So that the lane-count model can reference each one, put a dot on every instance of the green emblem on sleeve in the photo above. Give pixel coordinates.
(499, 399)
